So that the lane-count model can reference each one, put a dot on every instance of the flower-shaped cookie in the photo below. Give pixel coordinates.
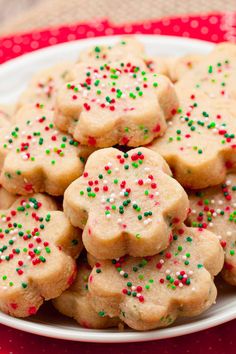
(44, 85)
(36, 157)
(180, 66)
(37, 250)
(214, 76)
(215, 209)
(75, 302)
(157, 65)
(152, 292)
(3, 122)
(116, 103)
(126, 203)
(126, 46)
(7, 111)
(200, 142)
(6, 198)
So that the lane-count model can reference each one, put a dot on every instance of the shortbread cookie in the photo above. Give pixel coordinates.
(36, 157)
(200, 142)
(126, 203)
(7, 111)
(158, 65)
(178, 67)
(214, 76)
(152, 292)
(126, 46)
(38, 246)
(120, 103)
(215, 209)
(76, 303)
(44, 85)
(6, 198)
(4, 123)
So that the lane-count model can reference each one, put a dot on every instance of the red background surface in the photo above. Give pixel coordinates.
(215, 27)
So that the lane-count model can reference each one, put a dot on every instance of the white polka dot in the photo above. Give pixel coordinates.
(176, 28)
(71, 37)
(204, 30)
(7, 43)
(194, 23)
(166, 22)
(18, 39)
(128, 29)
(213, 20)
(90, 34)
(34, 45)
(100, 27)
(146, 26)
(214, 37)
(109, 31)
(186, 34)
(52, 40)
(16, 49)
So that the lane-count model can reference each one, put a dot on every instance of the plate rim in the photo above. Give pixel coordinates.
(106, 336)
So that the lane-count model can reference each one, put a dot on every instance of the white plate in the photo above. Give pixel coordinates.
(14, 76)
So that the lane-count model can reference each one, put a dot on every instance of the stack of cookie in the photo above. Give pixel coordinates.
(115, 199)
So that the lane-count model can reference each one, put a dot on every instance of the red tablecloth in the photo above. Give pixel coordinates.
(215, 27)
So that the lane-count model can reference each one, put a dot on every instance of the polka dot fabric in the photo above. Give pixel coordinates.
(218, 340)
(215, 27)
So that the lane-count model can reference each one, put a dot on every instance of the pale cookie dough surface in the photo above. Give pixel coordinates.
(44, 85)
(126, 203)
(126, 46)
(157, 65)
(38, 246)
(6, 198)
(151, 292)
(36, 157)
(215, 209)
(4, 123)
(76, 303)
(119, 103)
(214, 76)
(7, 111)
(199, 144)
(178, 67)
